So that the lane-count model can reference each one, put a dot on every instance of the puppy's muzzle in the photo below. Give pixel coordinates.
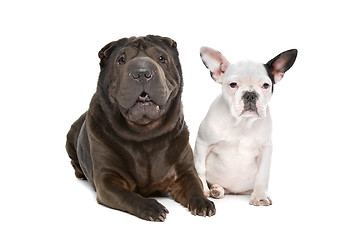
(250, 98)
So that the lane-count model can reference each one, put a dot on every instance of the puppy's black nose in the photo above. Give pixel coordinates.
(142, 74)
(250, 97)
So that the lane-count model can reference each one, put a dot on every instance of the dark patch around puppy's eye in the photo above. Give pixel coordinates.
(233, 85)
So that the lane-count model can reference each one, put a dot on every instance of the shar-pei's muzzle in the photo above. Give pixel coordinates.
(133, 141)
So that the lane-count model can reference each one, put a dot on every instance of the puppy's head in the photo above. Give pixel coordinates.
(247, 86)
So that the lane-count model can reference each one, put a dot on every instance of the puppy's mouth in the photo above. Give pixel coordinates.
(250, 109)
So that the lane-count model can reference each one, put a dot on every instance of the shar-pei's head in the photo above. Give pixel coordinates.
(140, 77)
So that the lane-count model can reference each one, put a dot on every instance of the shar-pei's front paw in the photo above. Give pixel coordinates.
(201, 206)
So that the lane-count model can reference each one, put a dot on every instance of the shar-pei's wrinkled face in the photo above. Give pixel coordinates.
(141, 76)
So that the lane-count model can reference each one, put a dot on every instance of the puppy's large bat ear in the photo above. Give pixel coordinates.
(215, 62)
(281, 63)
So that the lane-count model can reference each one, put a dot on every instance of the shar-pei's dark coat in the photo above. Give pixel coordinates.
(133, 141)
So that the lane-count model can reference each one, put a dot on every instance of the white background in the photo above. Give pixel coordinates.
(49, 69)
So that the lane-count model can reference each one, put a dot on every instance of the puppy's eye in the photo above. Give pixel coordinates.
(162, 59)
(233, 85)
(266, 85)
(121, 60)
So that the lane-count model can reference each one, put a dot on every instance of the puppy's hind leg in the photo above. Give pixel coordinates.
(217, 191)
(200, 153)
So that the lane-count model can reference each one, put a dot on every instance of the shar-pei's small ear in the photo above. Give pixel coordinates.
(158, 39)
(106, 51)
(169, 42)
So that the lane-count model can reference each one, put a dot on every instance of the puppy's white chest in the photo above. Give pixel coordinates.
(233, 165)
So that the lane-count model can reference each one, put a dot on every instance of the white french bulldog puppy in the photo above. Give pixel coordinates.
(233, 147)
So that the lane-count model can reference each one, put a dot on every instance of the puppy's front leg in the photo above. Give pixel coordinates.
(114, 192)
(200, 153)
(260, 197)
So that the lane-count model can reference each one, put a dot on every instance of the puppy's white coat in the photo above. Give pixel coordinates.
(233, 147)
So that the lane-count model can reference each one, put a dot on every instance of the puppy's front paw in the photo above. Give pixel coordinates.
(217, 191)
(206, 192)
(260, 200)
(201, 206)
